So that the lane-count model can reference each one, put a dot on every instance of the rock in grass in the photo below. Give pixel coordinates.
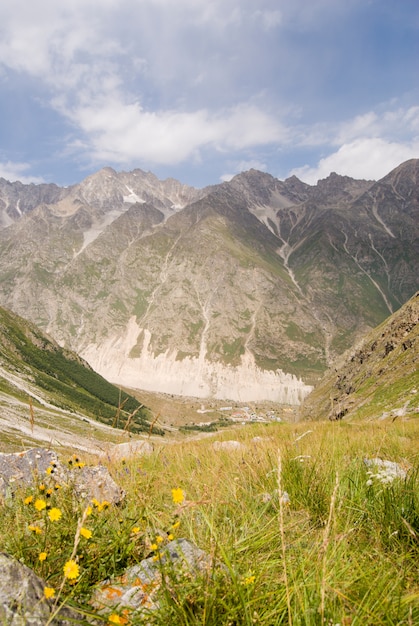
(38, 465)
(136, 591)
(128, 450)
(22, 598)
(96, 482)
(229, 445)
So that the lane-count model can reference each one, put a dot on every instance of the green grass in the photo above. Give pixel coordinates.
(343, 551)
(67, 381)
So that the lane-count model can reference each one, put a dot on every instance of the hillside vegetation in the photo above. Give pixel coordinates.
(38, 374)
(309, 529)
(378, 379)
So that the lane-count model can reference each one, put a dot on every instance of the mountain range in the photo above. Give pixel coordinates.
(245, 290)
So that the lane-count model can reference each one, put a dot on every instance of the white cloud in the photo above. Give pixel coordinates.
(269, 19)
(367, 158)
(243, 166)
(101, 59)
(15, 172)
(397, 124)
(124, 133)
(161, 82)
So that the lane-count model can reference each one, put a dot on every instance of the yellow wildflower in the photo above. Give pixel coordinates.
(40, 504)
(85, 532)
(49, 470)
(71, 569)
(178, 496)
(117, 619)
(49, 592)
(170, 537)
(89, 511)
(28, 500)
(135, 530)
(159, 539)
(103, 505)
(42, 556)
(249, 580)
(153, 546)
(41, 487)
(54, 514)
(176, 525)
(35, 529)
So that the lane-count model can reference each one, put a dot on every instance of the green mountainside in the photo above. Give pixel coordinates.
(36, 371)
(248, 290)
(376, 380)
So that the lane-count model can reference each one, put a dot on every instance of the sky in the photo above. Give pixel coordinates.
(200, 90)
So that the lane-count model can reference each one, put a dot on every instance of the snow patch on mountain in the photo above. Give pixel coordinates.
(98, 227)
(132, 197)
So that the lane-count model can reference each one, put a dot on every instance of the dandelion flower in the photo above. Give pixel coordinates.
(54, 514)
(117, 619)
(178, 496)
(154, 547)
(35, 529)
(42, 556)
(71, 569)
(28, 500)
(40, 504)
(249, 580)
(135, 530)
(49, 592)
(170, 537)
(49, 470)
(89, 511)
(103, 505)
(159, 539)
(85, 532)
(41, 487)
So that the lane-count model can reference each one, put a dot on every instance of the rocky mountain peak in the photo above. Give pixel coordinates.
(244, 290)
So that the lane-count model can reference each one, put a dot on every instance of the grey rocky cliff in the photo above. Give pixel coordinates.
(245, 290)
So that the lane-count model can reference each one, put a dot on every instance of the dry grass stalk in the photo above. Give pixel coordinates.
(282, 530)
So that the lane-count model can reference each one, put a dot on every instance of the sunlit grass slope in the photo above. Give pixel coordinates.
(378, 379)
(309, 532)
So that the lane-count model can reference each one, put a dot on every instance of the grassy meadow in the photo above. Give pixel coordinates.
(308, 532)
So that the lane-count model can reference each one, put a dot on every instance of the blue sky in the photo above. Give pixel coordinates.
(200, 90)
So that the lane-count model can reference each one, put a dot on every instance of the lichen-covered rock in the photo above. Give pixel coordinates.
(136, 591)
(25, 468)
(37, 464)
(22, 599)
(96, 482)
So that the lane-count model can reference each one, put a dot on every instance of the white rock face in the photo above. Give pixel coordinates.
(191, 376)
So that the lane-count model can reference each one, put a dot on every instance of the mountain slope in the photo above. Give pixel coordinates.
(38, 376)
(379, 378)
(246, 290)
